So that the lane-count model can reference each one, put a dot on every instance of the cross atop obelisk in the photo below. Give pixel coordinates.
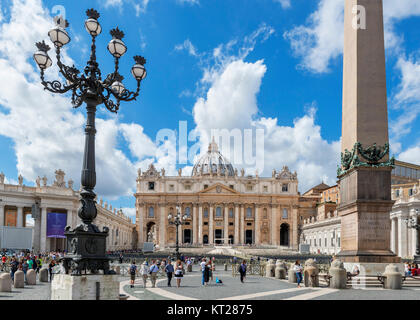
(365, 171)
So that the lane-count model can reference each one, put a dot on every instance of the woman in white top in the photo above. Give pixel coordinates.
(298, 270)
(179, 274)
(144, 271)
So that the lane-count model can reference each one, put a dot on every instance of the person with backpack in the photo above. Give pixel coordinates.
(14, 265)
(133, 270)
(51, 269)
(298, 270)
(169, 269)
(154, 269)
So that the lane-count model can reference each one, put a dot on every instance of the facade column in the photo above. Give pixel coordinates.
(402, 237)
(393, 235)
(226, 226)
(242, 229)
(200, 224)
(43, 233)
(195, 233)
(70, 218)
(412, 250)
(236, 240)
(141, 227)
(162, 228)
(257, 225)
(211, 232)
(274, 225)
(1, 215)
(19, 222)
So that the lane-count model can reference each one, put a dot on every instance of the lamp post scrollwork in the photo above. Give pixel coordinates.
(177, 221)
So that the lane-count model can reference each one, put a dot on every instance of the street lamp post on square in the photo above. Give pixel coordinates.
(86, 244)
(177, 221)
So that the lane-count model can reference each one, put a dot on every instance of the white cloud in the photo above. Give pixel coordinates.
(187, 46)
(190, 2)
(285, 4)
(320, 40)
(46, 133)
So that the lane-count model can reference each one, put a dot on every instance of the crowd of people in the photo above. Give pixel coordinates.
(26, 260)
(411, 269)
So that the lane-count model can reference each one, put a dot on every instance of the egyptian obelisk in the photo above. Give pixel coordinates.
(365, 171)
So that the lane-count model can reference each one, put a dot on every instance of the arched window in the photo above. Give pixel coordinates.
(188, 211)
(285, 214)
(218, 212)
(206, 213)
(230, 213)
(151, 212)
(249, 212)
(205, 239)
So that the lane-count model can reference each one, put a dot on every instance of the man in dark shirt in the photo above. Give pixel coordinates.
(169, 269)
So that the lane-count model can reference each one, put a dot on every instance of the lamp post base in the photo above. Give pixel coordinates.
(86, 251)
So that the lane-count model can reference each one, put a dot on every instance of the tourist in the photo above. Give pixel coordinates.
(50, 269)
(25, 267)
(355, 271)
(144, 271)
(407, 269)
(3, 262)
(207, 271)
(203, 267)
(154, 269)
(189, 265)
(169, 269)
(179, 274)
(298, 270)
(121, 258)
(212, 266)
(38, 264)
(30, 263)
(133, 270)
(14, 265)
(34, 264)
(242, 271)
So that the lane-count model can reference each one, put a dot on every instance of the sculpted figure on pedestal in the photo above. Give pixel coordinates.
(44, 181)
(2, 178)
(20, 178)
(38, 182)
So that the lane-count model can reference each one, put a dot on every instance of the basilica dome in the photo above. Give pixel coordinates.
(213, 162)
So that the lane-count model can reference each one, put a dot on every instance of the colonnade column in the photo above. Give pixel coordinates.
(226, 226)
(211, 232)
(162, 228)
(200, 224)
(402, 237)
(70, 218)
(195, 234)
(242, 229)
(43, 231)
(19, 222)
(1, 215)
(236, 240)
(257, 225)
(412, 250)
(393, 235)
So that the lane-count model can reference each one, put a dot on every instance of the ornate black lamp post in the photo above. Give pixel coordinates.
(177, 221)
(86, 243)
(414, 224)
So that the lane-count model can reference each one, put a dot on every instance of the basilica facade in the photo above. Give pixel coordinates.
(221, 205)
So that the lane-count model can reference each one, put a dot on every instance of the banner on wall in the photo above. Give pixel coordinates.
(56, 223)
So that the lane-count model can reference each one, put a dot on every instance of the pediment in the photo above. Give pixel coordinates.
(219, 189)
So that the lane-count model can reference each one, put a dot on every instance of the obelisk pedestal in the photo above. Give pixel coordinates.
(365, 171)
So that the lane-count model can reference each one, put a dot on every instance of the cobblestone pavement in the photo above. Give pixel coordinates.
(256, 288)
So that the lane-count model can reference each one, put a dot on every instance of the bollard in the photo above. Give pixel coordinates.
(269, 268)
(189, 268)
(338, 275)
(393, 278)
(19, 281)
(5, 283)
(118, 269)
(43, 275)
(291, 274)
(280, 271)
(31, 277)
(311, 274)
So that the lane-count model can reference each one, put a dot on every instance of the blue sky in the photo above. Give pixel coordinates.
(268, 64)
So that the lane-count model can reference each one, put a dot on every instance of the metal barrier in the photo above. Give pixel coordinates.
(251, 269)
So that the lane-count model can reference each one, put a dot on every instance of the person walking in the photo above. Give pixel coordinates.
(207, 270)
(50, 269)
(14, 265)
(144, 271)
(154, 269)
(25, 267)
(133, 270)
(169, 269)
(242, 271)
(203, 268)
(298, 270)
(179, 273)
(38, 264)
